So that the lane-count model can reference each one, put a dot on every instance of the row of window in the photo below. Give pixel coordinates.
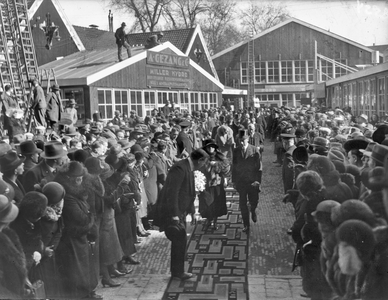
(143, 102)
(369, 96)
(291, 71)
(289, 99)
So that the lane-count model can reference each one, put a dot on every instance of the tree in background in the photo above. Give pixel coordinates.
(259, 17)
(147, 13)
(218, 25)
(184, 13)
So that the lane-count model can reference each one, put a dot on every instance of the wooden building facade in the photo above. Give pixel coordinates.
(284, 61)
(142, 83)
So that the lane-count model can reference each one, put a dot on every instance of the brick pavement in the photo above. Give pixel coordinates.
(270, 252)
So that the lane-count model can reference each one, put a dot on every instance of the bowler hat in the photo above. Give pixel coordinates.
(28, 148)
(209, 143)
(10, 161)
(53, 150)
(8, 210)
(71, 131)
(379, 153)
(175, 231)
(54, 192)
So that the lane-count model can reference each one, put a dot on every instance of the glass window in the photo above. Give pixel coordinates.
(136, 102)
(244, 72)
(260, 72)
(105, 104)
(372, 107)
(194, 101)
(121, 101)
(286, 71)
(381, 95)
(273, 71)
(204, 101)
(300, 70)
(310, 71)
(184, 99)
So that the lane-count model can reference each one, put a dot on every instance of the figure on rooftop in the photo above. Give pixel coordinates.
(154, 40)
(121, 40)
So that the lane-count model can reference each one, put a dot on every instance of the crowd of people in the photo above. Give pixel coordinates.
(335, 174)
(75, 199)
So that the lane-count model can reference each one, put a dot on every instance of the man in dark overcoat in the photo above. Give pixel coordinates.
(53, 156)
(175, 200)
(54, 106)
(184, 144)
(38, 103)
(121, 41)
(288, 141)
(246, 177)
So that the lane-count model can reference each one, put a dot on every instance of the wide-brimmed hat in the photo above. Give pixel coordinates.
(71, 131)
(379, 134)
(359, 142)
(209, 143)
(28, 148)
(368, 150)
(10, 161)
(320, 142)
(8, 210)
(300, 154)
(53, 150)
(379, 153)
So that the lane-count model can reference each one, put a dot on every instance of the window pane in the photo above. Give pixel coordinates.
(117, 97)
(101, 98)
(108, 95)
(124, 97)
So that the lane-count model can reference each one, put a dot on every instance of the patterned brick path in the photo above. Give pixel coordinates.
(267, 267)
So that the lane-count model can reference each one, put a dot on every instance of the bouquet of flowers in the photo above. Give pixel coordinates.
(199, 181)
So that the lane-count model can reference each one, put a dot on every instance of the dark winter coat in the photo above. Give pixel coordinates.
(73, 252)
(54, 107)
(13, 273)
(246, 167)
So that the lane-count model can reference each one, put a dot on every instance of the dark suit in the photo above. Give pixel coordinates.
(175, 199)
(288, 170)
(39, 105)
(183, 142)
(246, 170)
(36, 174)
(54, 108)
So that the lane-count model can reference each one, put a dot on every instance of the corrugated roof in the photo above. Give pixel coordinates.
(93, 38)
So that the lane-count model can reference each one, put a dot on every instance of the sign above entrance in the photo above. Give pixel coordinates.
(168, 60)
(167, 77)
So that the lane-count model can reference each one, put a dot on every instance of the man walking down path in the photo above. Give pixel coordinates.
(175, 201)
(121, 40)
(246, 177)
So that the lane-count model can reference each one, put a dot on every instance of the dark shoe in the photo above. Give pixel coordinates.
(183, 276)
(254, 217)
(109, 282)
(246, 229)
(132, 261)
(116, 273)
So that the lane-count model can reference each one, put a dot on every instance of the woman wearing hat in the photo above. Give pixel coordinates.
(12, 167)
(12, 258)
(212, 202)
(52, 226)
(77, 243)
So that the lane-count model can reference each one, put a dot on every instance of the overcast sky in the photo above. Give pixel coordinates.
(365, 22)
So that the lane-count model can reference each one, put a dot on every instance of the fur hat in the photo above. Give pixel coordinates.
(358, 234)
(73, 169)
(320, 164)
(54, 192)
(335, 154)
(309, 181)
(339, 166)
(94, 165)
(33, 204)
(352, 209)
(322, 213)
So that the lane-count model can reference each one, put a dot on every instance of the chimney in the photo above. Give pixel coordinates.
(110, 21)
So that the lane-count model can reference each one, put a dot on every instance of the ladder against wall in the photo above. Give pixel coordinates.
(47, 78)
(17, 52)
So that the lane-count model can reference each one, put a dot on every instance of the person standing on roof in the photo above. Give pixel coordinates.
(121, 40)
(154, 40)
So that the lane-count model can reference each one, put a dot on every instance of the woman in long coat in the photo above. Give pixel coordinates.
(212, 203)
(76, 245)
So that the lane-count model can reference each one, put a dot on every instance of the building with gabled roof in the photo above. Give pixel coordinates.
(286, 66)
(142, 83)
